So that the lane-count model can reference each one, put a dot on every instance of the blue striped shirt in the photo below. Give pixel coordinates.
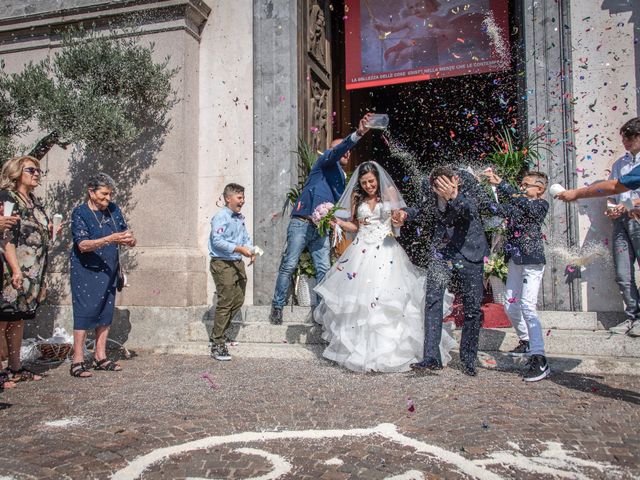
(228, 231)
(621, 168)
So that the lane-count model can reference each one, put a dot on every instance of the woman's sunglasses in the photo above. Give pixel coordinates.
(32, 170)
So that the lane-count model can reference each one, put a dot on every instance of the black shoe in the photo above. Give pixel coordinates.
(469, 369)
(220, 352)
(276, 316)
(427, 364)
(538, 369)
(521, 350)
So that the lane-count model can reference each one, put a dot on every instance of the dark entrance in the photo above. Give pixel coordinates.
(450, 120)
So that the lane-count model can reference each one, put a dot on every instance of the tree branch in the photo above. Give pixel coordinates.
(44, 145)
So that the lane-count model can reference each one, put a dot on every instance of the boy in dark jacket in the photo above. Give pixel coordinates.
(525, 211)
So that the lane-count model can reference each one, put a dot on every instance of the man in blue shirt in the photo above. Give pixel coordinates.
(624, 178)
(325, 183)
(228, 243)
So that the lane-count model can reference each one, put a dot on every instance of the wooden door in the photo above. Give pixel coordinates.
(315, 73)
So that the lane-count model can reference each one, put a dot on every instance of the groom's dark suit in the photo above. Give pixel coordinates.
(459, 246)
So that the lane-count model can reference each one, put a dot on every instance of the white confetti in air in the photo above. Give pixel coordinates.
(497, 39)
(580, 256)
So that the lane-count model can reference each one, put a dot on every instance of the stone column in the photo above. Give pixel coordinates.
(226, 117)
(275, 55)
(605, 55)
(581, 87)
(548, 94)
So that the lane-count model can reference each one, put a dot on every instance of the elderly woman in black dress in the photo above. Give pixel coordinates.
(98, 230)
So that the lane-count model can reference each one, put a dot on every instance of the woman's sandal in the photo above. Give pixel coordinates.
(106, 365)
(78, 370)
(23, 375)
(5, 382)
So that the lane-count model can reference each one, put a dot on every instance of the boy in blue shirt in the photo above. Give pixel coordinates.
(228, 243)
(525, 211)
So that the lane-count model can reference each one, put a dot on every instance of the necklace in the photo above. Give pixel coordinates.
(27, 201)
(103, 221)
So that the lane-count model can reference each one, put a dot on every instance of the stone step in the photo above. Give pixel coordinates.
(281, 351)
(565, 342)
(290, 314)
(296, 327)
(146, 327)
(549, 319)
(580, 320)
(573, 342)
(264, 332)
(585, 364)
(557, 342)
(578, 364)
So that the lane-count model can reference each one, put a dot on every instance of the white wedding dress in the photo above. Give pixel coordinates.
(373, 301)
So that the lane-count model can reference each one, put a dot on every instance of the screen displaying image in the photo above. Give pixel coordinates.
(400, 41)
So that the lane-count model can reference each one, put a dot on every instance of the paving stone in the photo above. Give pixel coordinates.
(161, 401)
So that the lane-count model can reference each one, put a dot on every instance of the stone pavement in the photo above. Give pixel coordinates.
(273, 418)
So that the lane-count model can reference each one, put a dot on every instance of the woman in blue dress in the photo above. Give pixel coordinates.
(98, 230)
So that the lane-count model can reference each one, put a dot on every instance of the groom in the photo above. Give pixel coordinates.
(459, 248)
(325, 183)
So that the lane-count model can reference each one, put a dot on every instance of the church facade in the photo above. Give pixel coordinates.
(257, 75)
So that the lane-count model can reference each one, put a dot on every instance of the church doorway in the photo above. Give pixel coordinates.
(444, 120)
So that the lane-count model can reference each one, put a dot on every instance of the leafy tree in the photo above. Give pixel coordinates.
(103, 94)
(97, 92)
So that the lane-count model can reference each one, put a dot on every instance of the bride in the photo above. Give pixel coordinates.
(373, 296)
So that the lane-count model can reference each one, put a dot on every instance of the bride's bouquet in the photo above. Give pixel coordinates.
(322, 216)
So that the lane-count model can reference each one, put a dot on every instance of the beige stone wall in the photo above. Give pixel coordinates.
(225, 146)
(605, 88)
(169, 262)
(169, 265)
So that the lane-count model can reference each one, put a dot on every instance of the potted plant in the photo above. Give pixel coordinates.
(510, 159)
(306, 157)
(304, 276)
(305, 280)
(495, 270)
